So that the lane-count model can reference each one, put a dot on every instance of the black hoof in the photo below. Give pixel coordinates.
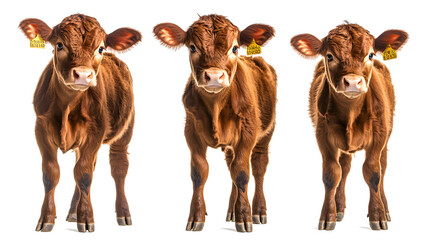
(244, 227)
(230, 217)
(45, 227)
(194, 226)
(259, 219)
(378, 225)
(388, 217)
(323, 225)
(123, 221)
(83, 227)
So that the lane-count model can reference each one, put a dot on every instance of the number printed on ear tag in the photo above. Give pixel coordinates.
(253, 48)
(389, 53)
(37, 42)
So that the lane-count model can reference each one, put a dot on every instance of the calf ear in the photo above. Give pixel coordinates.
(123, 38)
(306, 44)
(260, 32)
(170, 35)
(396, 38)
(33, 26)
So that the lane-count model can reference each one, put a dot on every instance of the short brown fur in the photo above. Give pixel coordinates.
(239, 119)
(345, 125)
(69, 119)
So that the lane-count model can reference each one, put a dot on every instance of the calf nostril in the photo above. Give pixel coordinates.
(360, 82)
(222, 76)
(75, 74)
(90, 75)
(346, 83)
(206, 76)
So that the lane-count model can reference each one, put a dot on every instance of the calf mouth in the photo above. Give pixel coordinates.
(78, 87)
(352, 94)
(213, 88)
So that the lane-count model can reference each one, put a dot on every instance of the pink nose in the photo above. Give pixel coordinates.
(353, 83)
(82, 76)
(214, 77)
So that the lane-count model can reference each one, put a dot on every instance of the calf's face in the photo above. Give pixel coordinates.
(213, 43)
(79, 43)
(348, 53)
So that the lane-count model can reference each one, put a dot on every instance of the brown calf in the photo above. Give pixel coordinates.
(84, 98)
(351, 105)
(230, 103)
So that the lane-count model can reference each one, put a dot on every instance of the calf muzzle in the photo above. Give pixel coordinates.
(214, 80)
(82, 78)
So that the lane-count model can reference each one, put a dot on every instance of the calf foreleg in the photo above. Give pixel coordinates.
(83, 176)
(372, 174)
(340, 196)
(240, 170)
(51, 176)
(331, 178)
(199, 175)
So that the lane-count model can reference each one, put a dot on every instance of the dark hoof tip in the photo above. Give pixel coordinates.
(388, 217)
(71, 217)
(264, 219)
(244, 227)
(124, 221)
(340, 216)
(194, 226)
(256, 219)
(83, 227)
(378, 225)
(323, 225)
(230, 217)
(259, 219)
(383, 225)
(45, 227)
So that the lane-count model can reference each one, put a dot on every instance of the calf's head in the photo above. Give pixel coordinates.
(79, 43)
(348, 53)
(213, 43)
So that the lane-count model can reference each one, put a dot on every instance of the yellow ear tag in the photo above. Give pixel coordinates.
(253, 48)
(389, 53)
(37, 42)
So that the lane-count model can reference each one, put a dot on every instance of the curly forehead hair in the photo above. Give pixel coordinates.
(212, 31)
(349, 40)
(79, 30)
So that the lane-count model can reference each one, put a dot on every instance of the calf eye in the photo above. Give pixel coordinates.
(100, 50)
(192, 48)
(371, 56)
(330, 57)
(59, 46)
(235, 49)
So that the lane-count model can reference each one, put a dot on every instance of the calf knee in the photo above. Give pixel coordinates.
(84, 183)
(374, 181)
(241, 181)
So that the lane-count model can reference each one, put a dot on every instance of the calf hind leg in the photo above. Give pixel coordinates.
(259, 160)
(383, 161)
(119, 169)
(72, 215)
(229, 157)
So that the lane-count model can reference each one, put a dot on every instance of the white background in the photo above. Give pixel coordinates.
(158, 185)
